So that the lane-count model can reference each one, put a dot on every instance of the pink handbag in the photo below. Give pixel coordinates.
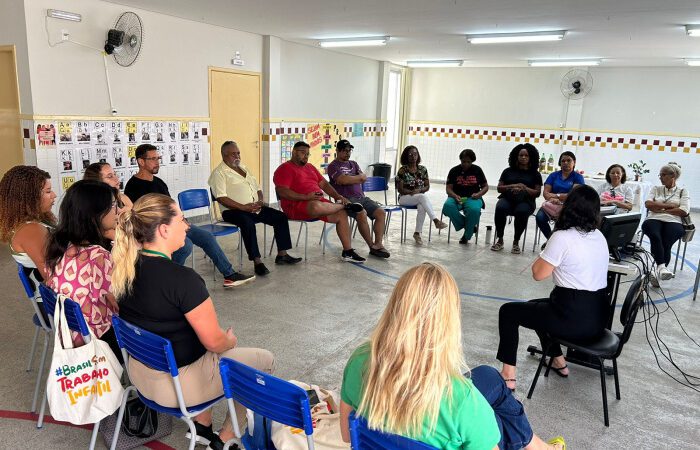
(552, 209)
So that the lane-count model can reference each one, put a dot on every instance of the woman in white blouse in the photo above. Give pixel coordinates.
(666, 204)
(615, 192)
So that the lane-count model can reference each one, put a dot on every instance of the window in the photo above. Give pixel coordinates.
(393, 110)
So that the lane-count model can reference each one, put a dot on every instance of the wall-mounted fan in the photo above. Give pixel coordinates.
(125, 39)
(576, 84)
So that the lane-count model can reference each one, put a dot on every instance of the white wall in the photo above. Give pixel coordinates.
(13, 32)
(170, 78)
(320, 84)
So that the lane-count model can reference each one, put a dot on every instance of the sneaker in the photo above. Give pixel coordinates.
(664, 274)
(417, 238)
(286, 259)
(351, 256)
(653, 280)
(218, 444)
(204, 434)
(379, 252)
(515, 249)
(354, 207)
(261, 270)
(543, 246)
(237, 279)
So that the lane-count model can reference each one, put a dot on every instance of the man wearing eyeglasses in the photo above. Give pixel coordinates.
(241, 200)
(145, 182)
(346, 177)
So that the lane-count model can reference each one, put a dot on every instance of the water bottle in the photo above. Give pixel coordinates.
(489, 229)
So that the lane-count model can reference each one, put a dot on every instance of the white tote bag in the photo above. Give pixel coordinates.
(326, 422)
(84, 383)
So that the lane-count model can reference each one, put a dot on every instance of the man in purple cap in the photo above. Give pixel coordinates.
(346, 177)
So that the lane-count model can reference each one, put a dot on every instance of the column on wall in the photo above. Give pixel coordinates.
(271, 97)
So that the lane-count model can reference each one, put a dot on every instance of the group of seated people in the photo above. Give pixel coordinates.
(122, 254)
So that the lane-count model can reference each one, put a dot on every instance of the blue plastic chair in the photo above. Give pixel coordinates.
(305, 225)
(199, 198)
(76, 322)
(362, 438)
(267, 395)
(379, 184)
(404, 222)
(157, 353)
(40, 325)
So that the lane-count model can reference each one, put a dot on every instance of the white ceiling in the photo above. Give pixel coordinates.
(622, 32)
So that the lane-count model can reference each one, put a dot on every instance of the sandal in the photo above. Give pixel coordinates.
(506, 380)
(516, 249)
(558, 371)
(417, 238)
(497, 246)
(557, 441)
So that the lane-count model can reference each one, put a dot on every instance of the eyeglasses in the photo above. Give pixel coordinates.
(152, 158)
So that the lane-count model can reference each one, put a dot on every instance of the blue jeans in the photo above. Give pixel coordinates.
(542, 220)
(468, 217)
(515, 429)
(207, 242)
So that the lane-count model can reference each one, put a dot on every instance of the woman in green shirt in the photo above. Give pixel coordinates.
(408, 380)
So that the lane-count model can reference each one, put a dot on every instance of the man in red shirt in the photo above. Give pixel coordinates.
(300, 187)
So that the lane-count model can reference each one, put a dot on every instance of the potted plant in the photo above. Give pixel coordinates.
(639, 169)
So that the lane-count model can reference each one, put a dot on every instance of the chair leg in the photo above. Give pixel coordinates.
(40, 372)
(193, 432)
(93, 437)
(306, 238)
(449, 229)
(678, 252)
(33, 350)
(685, 247)
(272, 245)
(617, 379)
(240, 251)
(120, 417)
(605, 393)
(323, 235)
(537, 374)
(42, 411)
(264, 240)
(301, 224)
(549, 366)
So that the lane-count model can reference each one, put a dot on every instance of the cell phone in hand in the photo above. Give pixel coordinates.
(313, 397)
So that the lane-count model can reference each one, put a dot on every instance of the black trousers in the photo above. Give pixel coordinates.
(246, 222)
(521, 211)
(662, 236)
(568, 313)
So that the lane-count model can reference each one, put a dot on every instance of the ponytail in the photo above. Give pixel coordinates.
(135, 228)
(125, 251)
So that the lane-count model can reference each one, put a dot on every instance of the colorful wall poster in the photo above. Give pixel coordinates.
(184, 131)
(67, 181)
(46, 135)
(115, 132)
(131, 130)
(287, 142)
(358, 129)
(322, 139)
(66, 160)
(131, 152)
(173, 132)
(65, 132)
(82, 132)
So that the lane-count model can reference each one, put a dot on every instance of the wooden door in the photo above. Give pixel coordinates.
(235, 111)
(11, 153)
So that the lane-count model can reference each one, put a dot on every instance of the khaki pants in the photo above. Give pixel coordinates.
(200, 381)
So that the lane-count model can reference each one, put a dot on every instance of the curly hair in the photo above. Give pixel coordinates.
(532, 153)
(20, 199)
(581, 210)
(404, 155)
(94, 171)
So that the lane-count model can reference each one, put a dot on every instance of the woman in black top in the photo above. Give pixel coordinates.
(465, 187)
(172, 301)
(520, 184)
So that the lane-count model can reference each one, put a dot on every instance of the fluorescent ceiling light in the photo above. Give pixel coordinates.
(439, 63)
(65, 15)
(354, 42)
(563, 62)
(497, 38)
(693, 62)
(693, 30)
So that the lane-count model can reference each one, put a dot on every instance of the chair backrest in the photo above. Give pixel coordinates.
(267, 395)
(362, 438)
(152, 350)
(26, 282)
(633, 301)
(74, 315)
(376, 184)
(192, 199)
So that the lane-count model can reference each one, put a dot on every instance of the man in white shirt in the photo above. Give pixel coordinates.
(241, 200)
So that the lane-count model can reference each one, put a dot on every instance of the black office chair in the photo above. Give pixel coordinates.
(608, 346)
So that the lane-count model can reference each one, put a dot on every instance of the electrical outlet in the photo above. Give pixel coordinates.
(65, 35)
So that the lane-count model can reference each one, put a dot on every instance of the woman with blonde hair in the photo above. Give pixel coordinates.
(408, 379)
(172, 301)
